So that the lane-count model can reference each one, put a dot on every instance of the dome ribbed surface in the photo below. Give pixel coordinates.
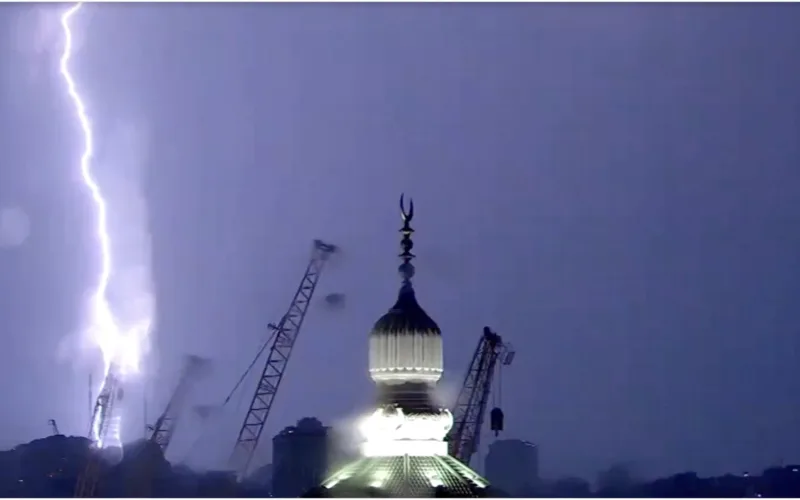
(404, 476)
(406, 316)
(406, 344)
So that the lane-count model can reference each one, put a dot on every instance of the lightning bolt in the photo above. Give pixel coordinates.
(107, 333)
(101, 229)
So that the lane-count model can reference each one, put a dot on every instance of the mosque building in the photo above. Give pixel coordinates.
(404, 453)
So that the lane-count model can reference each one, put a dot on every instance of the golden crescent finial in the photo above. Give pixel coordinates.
(407, 215)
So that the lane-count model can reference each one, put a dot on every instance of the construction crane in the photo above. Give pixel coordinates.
(162, 431)
(284, 335)
(102, 420)
(53, 427)
(160, 434)
(473, 398)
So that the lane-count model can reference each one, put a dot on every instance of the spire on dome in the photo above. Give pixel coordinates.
(406, 269)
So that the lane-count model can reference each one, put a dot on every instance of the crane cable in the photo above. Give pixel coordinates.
(500, 384)
(497, 393)
(247, 371)
(250, 367)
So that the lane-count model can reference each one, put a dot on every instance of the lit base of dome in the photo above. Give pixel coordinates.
(410, 447)
(391, 423)
(401, 375)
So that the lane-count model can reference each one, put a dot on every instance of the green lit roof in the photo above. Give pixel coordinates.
(404, 476)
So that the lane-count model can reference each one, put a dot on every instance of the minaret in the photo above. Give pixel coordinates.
(404, 453)
(405, 362)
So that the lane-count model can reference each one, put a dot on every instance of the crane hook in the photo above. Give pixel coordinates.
(407, 215)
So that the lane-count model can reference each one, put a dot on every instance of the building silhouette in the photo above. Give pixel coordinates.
(300, 457)
(512, 465)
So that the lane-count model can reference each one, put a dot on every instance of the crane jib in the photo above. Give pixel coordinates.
(284, 338)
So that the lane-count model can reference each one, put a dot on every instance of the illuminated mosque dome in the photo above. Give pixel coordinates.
(405, 346)
(404, 453)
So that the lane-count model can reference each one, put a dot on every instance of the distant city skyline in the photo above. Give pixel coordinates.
(612, 188)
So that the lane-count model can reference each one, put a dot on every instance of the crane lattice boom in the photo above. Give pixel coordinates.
(141, 481)
(474, 395)
(284, 336)
(101, 418)
(165, 425)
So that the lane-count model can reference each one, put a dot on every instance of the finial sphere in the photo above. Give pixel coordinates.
(407, 271)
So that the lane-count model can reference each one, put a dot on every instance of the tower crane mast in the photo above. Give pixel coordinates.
(102, 420)
(473, 398)
(284, 335)
(164, 428)
(162, 431)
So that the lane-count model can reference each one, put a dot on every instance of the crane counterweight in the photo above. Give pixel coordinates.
(473, 398)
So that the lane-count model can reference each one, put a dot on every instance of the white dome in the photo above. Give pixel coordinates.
(406, 344)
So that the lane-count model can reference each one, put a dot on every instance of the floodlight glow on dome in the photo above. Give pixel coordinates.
(379, 478)
(391, 432)
(434, 479)
(404, 447)
(392, 424)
